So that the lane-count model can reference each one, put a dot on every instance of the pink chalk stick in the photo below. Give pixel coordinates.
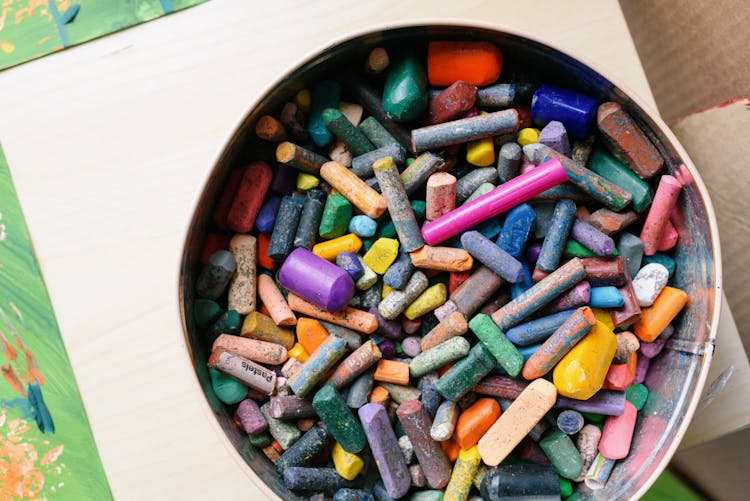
(658, 216)
(504, 197)
(668, 237)
(618, 433)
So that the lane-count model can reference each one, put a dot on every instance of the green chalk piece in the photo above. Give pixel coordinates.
(637, 395)
(206, 312)
(662, 259)
(376, 133)
(614, 171)
(405, 94)
(285, 433)
(260, 441)
(495, 341)
(566, 488)
(388, 230)
(339, 419)
(575, 249)
(592, 417)
(229, 322)
(466, 373)
(336, 215)
(429, 360)
(562, 453)
(227, 389)
(354, 139)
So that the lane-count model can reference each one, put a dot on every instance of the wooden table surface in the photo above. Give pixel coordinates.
(108, 144)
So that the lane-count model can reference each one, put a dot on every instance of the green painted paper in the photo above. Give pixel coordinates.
(33, 28)
(47, 449)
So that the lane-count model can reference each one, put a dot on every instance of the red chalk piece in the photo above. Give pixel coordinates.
(256, 179)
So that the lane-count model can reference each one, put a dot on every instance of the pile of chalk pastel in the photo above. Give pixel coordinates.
(442, 285)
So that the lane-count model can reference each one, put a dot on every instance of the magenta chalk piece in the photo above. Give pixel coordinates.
(316, 280)
(504, 197)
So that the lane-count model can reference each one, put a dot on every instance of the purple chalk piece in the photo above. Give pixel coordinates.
(591, 238)
(575, 297)
(350, 263)
(607, 402)
(385, 449)
(266, 218)
(252, 420)
(316, 280)
(492, 256)
(641, 369)
(555, 136)
(533, 253)
(650, 350)
(284, 179)
(411, 346)
(386, 328)
(387, 349)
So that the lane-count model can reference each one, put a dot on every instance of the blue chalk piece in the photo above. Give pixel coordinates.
(575, 111)
(490, 228)
(525, 284)
(662, 259)
(537, 330)
(606, 297)
(492, 256)
(570, 422)
(517, 229)
(363, 226)
(398, 273)
(527, 351)
(431, 398)
(267, 215)
(557, 235)
(350, 264)
(325, 94)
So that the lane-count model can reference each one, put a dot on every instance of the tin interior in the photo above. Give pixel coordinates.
(675, 377)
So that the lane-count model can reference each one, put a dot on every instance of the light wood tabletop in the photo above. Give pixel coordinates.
(109, 143)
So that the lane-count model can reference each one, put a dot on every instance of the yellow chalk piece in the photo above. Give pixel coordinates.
(307, 181)
(387, 289)
(481, 152)
(430, 299)
(331, 248)
(303, 99)
(464, 470)
(528, 135)
(298, 352)
(347, 465)
(582, 370)
(604, 317)
(381, 255)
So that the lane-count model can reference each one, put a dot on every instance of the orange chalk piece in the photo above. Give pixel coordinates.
(274, 302)
(354, 189)
(380, 395)
(451, 326)
(451, 449)
(474, 422)
(655, 318)
(477, 63)
(349, 317)
(391, 371)
(310, 334)
(329, 249)
(442, 259)
(252, 349)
